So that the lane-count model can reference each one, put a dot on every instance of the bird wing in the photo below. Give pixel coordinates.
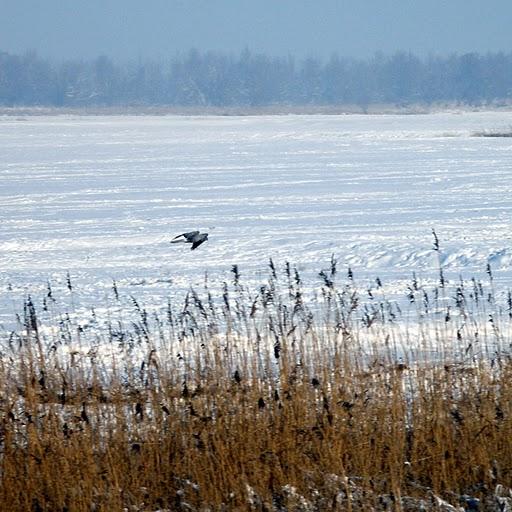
(188, 236)
(197, 243)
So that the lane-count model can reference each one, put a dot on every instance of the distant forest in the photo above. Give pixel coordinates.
(250, 79)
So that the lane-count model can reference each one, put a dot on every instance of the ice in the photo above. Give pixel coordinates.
(101, 197)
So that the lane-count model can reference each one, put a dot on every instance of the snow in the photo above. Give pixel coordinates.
(101, 197)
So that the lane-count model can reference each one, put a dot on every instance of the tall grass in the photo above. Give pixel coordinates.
(289, 396)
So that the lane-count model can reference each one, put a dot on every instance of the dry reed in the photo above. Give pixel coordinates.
(279, 398)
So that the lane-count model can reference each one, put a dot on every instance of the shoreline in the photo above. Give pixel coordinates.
(241, 111)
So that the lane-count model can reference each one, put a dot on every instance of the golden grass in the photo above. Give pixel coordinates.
(262, 402)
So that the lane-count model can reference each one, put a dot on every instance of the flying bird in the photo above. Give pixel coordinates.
(192, 237)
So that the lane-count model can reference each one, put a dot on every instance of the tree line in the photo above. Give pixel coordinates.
(250, 79)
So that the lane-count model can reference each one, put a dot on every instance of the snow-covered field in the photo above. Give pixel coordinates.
(100, 198)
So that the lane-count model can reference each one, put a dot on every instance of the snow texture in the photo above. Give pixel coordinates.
(101, 198)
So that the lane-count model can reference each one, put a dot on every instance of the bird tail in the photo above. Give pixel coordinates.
(181, 241)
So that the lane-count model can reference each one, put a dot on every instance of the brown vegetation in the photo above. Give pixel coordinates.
(278, 399)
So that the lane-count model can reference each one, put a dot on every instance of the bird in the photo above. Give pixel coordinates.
(192, 237)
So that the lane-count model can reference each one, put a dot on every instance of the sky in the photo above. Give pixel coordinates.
(132, 29)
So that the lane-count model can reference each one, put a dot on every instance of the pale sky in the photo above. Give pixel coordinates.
(130, 29)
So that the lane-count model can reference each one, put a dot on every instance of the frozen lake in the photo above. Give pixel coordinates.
(100, 198)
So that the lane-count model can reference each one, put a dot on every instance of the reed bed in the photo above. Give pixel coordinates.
(288, 396)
